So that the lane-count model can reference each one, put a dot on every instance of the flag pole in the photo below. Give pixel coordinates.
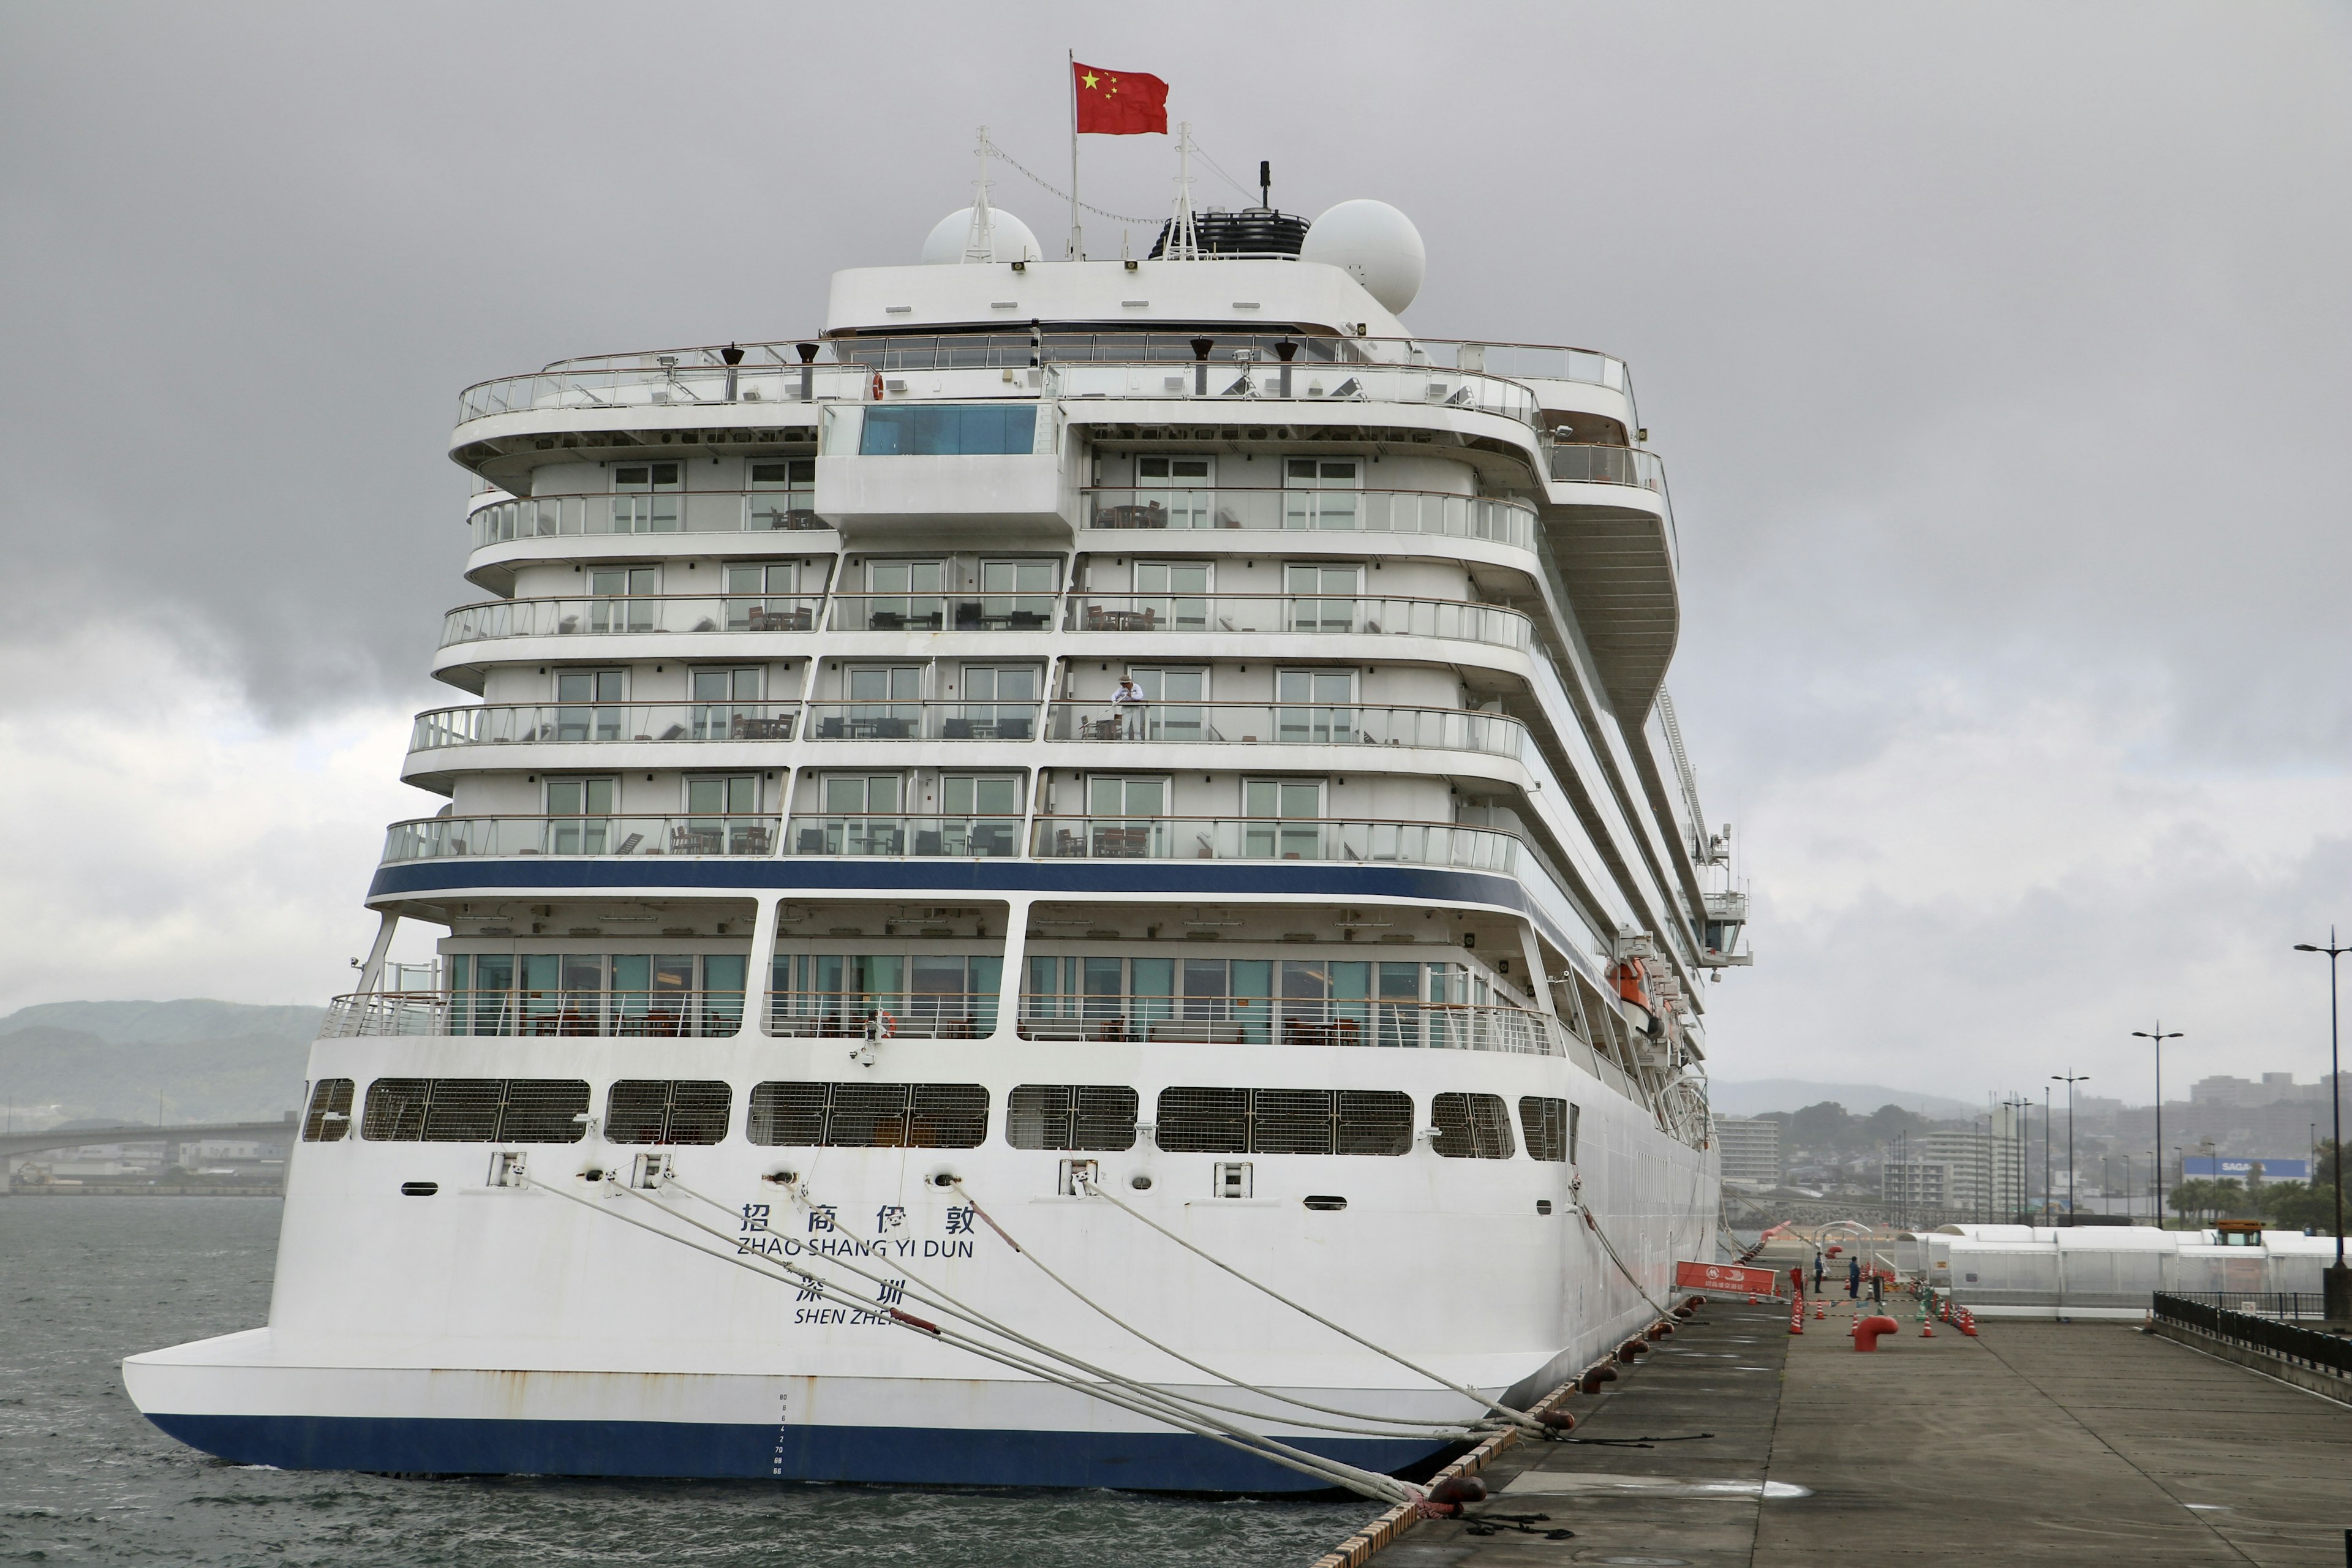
(1077, 239)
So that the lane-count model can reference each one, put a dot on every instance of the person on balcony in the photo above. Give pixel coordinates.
(1126, 710)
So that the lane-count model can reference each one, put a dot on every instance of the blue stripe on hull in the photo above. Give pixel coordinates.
(1148, 1461)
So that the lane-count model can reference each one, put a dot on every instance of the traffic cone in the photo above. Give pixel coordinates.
(1926, 1330)
(1818, 1314)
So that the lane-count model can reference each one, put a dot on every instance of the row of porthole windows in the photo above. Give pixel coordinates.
(868, 1115)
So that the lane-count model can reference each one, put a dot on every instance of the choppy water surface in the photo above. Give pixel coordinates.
(83, 1478)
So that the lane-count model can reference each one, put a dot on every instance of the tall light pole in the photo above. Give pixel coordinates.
(2337, 1289)
(2046, 1125)
(2131, 1194)
(2073, 1186)
(2159, 1037)
(2019, 1104)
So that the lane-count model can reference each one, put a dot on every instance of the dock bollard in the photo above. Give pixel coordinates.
(1867, 1332)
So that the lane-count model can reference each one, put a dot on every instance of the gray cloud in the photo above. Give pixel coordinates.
(1997, 353)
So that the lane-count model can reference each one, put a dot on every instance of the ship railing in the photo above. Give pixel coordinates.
(1323, 613)
(1293, 1021)
(574, 723)
(468, 837)
(658, 512)
(888, 835)
(1313, 510)
(1129, 837)
(683, 380)
(622, 614)
(1599, 465)
(1222, 379)
(1287, 724)
(943, 612)
(882, 1015)
(881, 721)
(702, 370)
(624, 1015)
(1015, 350)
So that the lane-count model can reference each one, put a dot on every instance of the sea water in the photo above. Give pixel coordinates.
(84, 1281)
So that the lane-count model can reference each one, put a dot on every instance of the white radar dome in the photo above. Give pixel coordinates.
(1374, 244)
(1014, 240)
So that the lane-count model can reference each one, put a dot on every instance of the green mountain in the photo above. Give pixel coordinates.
(201, 1061)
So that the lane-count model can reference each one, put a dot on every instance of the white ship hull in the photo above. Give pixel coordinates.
(504, 1330)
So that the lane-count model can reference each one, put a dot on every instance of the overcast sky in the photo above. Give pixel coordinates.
(1997, 354)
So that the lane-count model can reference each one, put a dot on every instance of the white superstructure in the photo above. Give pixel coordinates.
(816, 898)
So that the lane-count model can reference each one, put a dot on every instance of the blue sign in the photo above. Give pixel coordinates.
(2242, 1166)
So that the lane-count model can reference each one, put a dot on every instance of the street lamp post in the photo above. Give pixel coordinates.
(2019, 1106)
(2131, 1194)
(2336, 1286)
(2073, 1186)
(2159, 1037)
(2046, 1125)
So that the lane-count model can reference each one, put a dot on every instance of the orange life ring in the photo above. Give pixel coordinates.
(877, 386)
(885, 1026)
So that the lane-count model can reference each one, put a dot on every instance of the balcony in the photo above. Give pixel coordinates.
(625, 615)
(606, 515)
(1293, 1021)
(1273, 838)
(469, 837)
(624, 1015)
(579, 723)
(943, 612)
(1287, 724)
(894, 836)
(897, 1014)
(1216, 614)
(1581, 465)
(1428, 512)
(922, 721)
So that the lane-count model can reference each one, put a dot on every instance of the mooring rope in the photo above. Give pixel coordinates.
(1141, 1399)
(933, 1295)
(1519, 1418)
(1420, 1428)
(1593, 1224)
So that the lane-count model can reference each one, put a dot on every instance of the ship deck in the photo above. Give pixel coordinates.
(2033, 1442)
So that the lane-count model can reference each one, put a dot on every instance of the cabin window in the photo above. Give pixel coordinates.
(1472, 1127)
(869, 1115)
(1545, 1123)
(1285, 1122)
(1070, 1116)
(329, 1119)
(656, 1110)
(475, 1110)
(949, 430)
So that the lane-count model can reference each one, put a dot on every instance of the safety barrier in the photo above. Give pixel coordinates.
(2309, 1347)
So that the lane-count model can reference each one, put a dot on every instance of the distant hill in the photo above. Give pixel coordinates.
(1753, 1096)
(206, 1061)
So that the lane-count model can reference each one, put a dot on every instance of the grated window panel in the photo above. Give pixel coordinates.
(1472, 1126)
(1205, 1120)
(538, 1110)
(395, 1109)
(868, 1116)
(1106, 1117)
(1545, 1121)
(463, 1109)
(328, 1120)
(788, 1113)
(1042, 1116)
(1291, 1121)
(636, 1111)
(949, 1116)
(1374, 1121)
(699, 1111)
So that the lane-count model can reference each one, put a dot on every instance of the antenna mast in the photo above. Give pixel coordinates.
(980, 244)
(1183, 238)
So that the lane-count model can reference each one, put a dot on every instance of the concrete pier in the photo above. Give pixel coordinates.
(2035, 1442)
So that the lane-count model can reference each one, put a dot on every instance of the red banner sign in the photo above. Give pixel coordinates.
(1727, 1276)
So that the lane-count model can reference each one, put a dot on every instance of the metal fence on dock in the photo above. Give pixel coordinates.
(2309, 1346)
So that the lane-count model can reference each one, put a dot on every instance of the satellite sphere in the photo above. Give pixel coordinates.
(1374, 244)
(1014, 240)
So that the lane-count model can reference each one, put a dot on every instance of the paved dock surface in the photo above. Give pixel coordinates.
(2035, 1442)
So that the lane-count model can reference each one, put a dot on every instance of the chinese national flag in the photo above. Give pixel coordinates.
(1119, 103)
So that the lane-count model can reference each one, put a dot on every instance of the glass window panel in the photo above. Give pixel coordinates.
(1351, 981)
(1304, 980)
(632, 972)
(1153, 976)
(584, 972)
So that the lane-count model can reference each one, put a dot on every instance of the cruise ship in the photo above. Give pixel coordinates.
(1085, 876)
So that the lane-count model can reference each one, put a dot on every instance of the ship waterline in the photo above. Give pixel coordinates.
(1108, 905)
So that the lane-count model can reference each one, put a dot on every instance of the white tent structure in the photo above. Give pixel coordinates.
(2107, 1271)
